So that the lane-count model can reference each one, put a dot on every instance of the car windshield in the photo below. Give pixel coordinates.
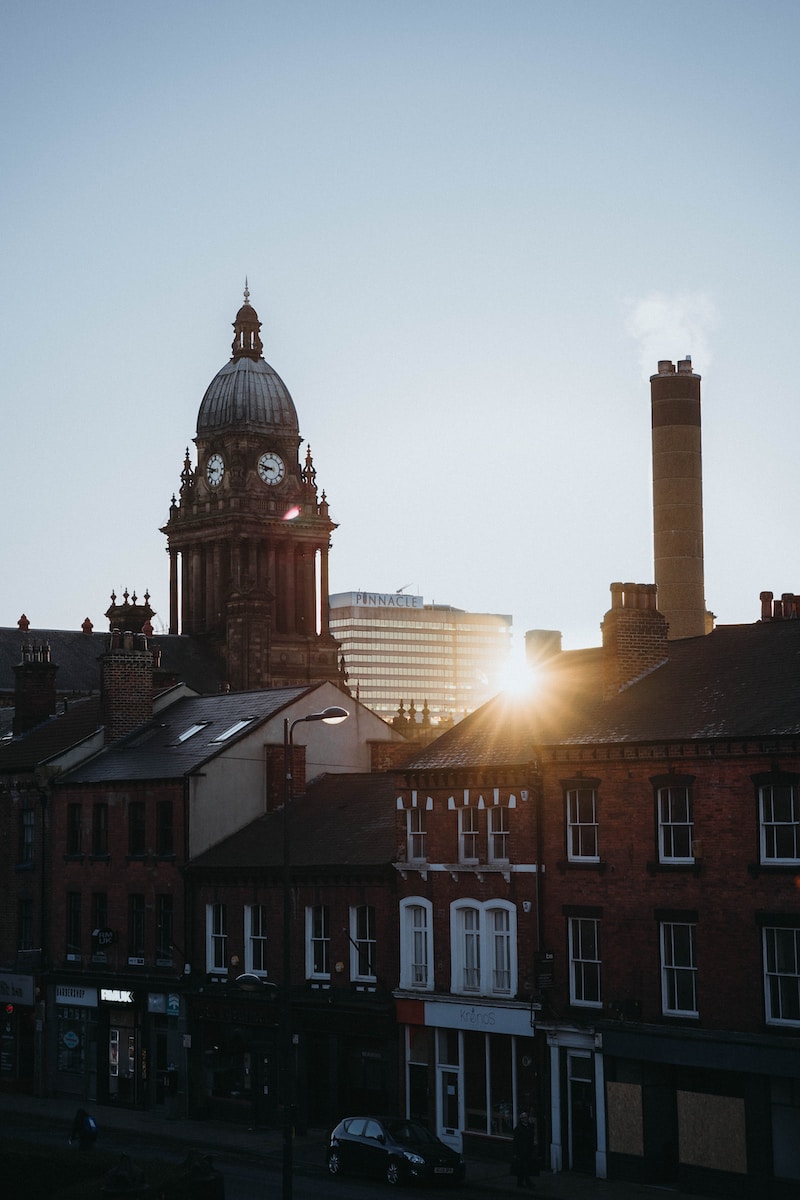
(409, 1132)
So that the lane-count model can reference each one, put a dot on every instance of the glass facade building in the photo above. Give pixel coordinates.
(399, 650)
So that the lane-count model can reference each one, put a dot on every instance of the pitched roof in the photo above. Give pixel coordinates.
(739, 681)
(342, 820)
(53, 736)
(76, 653)
(182, 737)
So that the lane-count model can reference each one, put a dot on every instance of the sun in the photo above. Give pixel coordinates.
(519, 678)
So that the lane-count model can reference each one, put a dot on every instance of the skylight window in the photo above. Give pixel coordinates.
(231, 730)
(191, 731)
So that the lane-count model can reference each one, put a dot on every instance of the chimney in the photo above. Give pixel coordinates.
(541, 645)
(34, 688)
(678, 498)
(634, 636)
(126, 684)
(785, 609)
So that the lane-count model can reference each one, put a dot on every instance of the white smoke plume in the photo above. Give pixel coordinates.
(673, 327)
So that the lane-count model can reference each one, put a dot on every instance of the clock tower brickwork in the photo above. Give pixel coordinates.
(249, 535)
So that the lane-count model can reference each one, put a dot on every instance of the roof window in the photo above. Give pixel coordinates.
(232, 729)
(191, 731)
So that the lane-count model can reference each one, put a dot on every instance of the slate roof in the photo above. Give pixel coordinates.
(153, 751)
(76, 654)
(51, 737)
(741, 681)
(342, 820)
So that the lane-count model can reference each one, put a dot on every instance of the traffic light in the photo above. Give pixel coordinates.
(9, 1010)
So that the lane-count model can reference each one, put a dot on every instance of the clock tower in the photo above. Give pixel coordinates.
(248, 536)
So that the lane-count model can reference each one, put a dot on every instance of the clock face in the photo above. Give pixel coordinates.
(271, 468)
(215, 469)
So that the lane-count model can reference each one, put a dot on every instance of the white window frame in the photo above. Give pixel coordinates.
(583, 836)
(363, 942)
(416, 944)
(217, 938)
(585, 963)
(781, 947)
(416, 834)
(678, 968)
(237, 727)
(483, 948)
(772, 829)
(499, 832)
(318, 935)
(671, 829)
(469, 832)
(255, 939)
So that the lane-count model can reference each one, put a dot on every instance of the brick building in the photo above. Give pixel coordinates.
(661, 960)
(343, 959)
(123, 952)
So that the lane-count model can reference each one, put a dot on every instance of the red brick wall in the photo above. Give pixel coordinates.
(444, 887)
(127, 691)
(118, 876)
(724, 887)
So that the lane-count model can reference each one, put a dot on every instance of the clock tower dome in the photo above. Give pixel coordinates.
(248, 536)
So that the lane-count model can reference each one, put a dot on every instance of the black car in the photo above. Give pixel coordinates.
(399, 1151)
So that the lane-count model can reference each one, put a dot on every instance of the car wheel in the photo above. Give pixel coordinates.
(334, 1163)
(394, 1172)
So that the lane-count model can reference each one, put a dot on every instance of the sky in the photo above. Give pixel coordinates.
(471, 229)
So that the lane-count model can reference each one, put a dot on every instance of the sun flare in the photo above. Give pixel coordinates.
(519, 678)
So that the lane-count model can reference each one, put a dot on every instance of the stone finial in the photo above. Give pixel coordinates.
(24, 624)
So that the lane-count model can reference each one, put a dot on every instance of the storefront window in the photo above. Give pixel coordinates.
(72, 1040)
(502, 1085)
(475, 1082)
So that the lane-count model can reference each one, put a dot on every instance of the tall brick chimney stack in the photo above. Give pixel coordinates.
(34, 688)
(678, 499)
(634, 636)
(126, 683)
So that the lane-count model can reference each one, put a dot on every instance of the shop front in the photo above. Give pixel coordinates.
(234, 1057)
(470, 1070)
(116, 1045)
(17, 1032)
(704, 1112)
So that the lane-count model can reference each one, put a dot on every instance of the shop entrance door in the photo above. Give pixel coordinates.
(447, 1108)
(448, 1087)
(126, 1069)
(582, 1137)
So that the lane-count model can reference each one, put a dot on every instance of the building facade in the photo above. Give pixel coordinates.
(342, 961)
(397, 650)
(660, 969)
(467, 931)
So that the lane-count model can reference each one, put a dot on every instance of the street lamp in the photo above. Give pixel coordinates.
(331, 716)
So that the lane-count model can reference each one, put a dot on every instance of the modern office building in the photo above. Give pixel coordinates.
(437, 662)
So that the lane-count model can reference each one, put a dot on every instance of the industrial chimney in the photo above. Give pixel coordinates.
(678, 499)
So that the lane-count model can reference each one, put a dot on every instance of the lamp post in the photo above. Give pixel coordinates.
(331, 716)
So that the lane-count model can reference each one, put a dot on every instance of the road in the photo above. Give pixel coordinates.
(245, 1178)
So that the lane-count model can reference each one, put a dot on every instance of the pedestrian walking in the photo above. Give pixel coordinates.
(84, 1130)
(524, 1161)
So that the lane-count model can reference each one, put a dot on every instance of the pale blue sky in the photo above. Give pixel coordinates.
(470, 230)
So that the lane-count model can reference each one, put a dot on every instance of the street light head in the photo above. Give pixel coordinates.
(331, 716)
(334, 715)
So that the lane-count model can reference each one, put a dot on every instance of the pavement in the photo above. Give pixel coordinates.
(486, 1175)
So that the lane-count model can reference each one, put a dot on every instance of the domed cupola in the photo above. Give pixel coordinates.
(247, 394)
